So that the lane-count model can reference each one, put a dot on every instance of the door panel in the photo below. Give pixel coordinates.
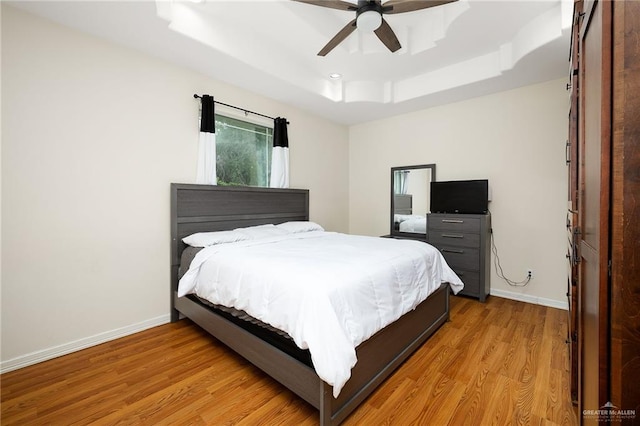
(595, 125)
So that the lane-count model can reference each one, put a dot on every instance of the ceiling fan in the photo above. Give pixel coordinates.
(369, 18)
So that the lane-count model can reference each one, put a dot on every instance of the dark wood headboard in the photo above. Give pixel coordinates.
(206, 208)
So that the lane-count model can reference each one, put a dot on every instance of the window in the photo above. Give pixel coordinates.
(243, 152)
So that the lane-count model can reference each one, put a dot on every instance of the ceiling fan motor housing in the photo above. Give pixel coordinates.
(366, 5)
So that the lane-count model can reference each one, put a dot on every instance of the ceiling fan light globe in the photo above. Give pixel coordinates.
(369, 21)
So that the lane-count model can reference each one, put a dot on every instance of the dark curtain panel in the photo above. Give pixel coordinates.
(280, 137)
(207, 116)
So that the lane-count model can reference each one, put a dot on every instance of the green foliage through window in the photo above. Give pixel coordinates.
(243, 152)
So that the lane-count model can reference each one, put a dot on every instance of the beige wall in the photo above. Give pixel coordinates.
(92, 135)
(516, 140)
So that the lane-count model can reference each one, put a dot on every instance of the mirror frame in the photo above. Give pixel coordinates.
(393, 232)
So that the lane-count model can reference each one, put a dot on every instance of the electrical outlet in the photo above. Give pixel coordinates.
(529, 273)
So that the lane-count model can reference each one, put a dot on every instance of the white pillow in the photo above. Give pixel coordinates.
(300, 226)
(205, 239)
(403, 217)
(261, 231)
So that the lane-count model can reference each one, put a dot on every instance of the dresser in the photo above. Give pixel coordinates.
(464, 241)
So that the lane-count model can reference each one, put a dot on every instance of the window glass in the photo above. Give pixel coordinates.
(243, 152)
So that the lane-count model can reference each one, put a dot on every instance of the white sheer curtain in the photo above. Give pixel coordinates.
(206, 171)
(280, 156)
(401, 181)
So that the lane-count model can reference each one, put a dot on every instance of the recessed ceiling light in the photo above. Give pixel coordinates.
(335, 76)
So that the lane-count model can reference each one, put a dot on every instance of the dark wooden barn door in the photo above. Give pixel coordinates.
(595, 123)
(604, 211)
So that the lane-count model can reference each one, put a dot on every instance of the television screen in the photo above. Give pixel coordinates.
(460, 196)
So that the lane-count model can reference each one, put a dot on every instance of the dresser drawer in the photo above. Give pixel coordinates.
(471, 281)
(441, 238)
(461, 257)
(454, 223)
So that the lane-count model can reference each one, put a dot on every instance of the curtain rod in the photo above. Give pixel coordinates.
(246, 111)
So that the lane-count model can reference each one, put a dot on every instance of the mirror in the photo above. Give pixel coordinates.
(410, 186)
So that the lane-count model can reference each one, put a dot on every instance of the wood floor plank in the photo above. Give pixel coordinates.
(499, 362)
(541, 350)
(470, 406)
(393, 406)
(499, 409)
(276, 411)
(439, 405)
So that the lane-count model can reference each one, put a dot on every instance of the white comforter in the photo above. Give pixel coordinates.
(415, 223)
(328, 291)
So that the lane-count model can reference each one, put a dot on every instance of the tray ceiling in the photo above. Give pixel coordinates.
(449, 53)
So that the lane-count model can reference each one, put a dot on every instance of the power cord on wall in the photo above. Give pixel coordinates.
(500, 272)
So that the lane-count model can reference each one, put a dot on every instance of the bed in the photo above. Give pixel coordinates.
(202, 208)
(411, 223)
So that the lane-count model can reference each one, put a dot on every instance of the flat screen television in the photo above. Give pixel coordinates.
(460, 196)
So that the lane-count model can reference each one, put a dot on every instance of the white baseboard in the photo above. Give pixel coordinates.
(67, 348)
(530, 299)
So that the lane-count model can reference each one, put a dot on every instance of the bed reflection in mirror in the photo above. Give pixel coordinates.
(410, 187)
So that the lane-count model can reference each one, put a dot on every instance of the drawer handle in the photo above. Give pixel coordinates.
(453, 251)
(452, 236)
(452, 221)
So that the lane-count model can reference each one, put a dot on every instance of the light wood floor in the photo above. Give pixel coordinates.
(502, 362)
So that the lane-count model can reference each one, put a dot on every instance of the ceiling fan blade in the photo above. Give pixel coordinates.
(333, 4)
(338, 38)
(401, 6)
(388, 37)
